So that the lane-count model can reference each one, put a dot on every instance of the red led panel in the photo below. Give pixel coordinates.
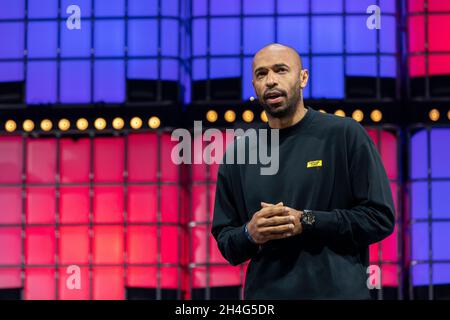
(40, 205)
(199, 205)
(10, 278)
(147, 277)
(219, 276)
(11, 159)
(11, 200)
(108, 283)
(439, 32)
(169, 244)
(438, 5)
(41, 160)
(75, 160)
(10, 246)
(198, 167)
(67, 284)
(439, 64)
(169, 170)
(142, 203)
(387, 144)
(40, 245)
(74, 205)
(142, 157)
(108, 204)
(108, 159)
(40, 284)
(108, 245)
(389, 275)
(74, 245)
(141, 244)
(169, 203)
(416, 35)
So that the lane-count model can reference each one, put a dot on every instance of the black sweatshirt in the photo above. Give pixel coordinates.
(349, 195)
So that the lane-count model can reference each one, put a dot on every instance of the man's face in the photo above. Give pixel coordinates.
(277, 80)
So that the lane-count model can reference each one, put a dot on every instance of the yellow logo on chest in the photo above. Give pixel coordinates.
(313, 164)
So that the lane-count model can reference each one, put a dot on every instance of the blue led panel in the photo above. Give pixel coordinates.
(11, 71)
(12, 9)
(169, 69)
(440, 153)
(199, 7)
(85, 7)
(247, 87)
(142, 8)
(360, 6)
(327, 34)
(143, 69)
(327, 77)
(260, 7)
(199, 68)
(138, 30)
(307, 89)
(106, 44)
(169, 44)
(109, 81)
(109, 8)
(169, 7)
(326, 6)
(219, 7)
(362, 66)
(388, 35)
(225, 36)
(76, 43)
(388, 66)
(42, 8)
(42, 39)
(359, 38)
(294, 32)
(75, 82)
(199, 37)
(225, 68)
(263, 27)
(11, 35)
(41, 82)
(287, 7)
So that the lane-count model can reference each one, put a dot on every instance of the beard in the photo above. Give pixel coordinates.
(284, 109)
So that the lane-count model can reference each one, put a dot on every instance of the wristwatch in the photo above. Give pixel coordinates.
(307, 220)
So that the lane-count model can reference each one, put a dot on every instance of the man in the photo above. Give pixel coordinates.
(307, 228)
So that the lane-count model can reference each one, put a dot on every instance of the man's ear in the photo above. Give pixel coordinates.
(304, 76)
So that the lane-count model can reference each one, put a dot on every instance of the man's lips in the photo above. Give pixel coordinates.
(274, 97)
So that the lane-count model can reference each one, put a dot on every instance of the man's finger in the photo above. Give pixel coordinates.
(265, 204)
(268, 212)
(275, 221)
(285, 228)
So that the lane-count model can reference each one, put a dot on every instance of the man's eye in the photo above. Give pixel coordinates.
(282, 70)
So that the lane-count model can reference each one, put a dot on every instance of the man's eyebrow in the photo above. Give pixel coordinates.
(277, 65)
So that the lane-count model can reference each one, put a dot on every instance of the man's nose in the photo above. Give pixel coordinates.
(271, 80)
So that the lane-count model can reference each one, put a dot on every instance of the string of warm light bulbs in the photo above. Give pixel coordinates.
(81, 124)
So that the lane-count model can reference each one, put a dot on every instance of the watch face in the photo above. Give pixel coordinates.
(308, 218)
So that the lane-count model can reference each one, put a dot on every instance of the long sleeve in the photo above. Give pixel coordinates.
(372, 217)
(228, 225)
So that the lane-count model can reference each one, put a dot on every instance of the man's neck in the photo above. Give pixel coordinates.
(297, 116)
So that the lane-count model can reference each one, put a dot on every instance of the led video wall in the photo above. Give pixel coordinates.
(429, 48)
(430, 209)
(331, 36)
(117, 42)
(117, 208)
(125, 49)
